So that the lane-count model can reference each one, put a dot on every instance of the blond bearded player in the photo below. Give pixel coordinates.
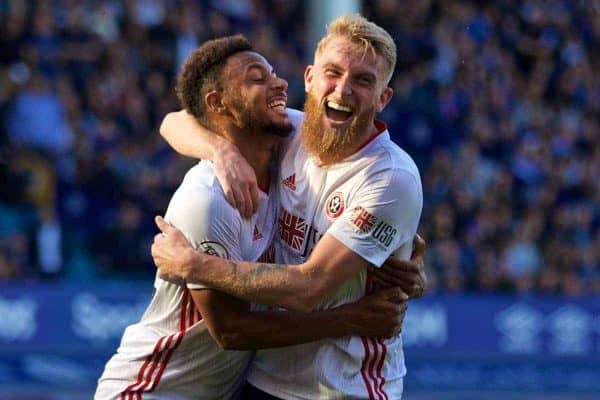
(349, 198)
(178, 348)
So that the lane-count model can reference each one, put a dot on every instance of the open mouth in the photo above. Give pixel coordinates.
(337, 112)
(277, 104)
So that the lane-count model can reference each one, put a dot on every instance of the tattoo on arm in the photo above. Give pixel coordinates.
(233, 267)
(256, 272)
(265, 268)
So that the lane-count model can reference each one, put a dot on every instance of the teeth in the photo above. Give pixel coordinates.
(277, 103)
(338, 107)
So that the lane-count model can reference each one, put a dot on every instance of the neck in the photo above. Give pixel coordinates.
(257, 149)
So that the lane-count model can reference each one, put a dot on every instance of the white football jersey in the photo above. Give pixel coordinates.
(169, 353)
(371, 202)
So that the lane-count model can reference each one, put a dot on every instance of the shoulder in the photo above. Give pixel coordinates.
(296, 117)
(201, 185)
(200, 200)
(393, 162)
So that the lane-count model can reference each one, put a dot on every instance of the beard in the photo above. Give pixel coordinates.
(251, 122)
(331, 145)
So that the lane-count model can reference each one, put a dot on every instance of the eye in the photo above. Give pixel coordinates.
(255, 75)
(364, 81)
(332, 72)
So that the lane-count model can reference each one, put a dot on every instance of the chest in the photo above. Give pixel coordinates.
(312, 198)
(257, 232)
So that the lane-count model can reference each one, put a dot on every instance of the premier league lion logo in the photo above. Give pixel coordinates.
(214, 249)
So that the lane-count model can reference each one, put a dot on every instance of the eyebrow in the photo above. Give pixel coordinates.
(331, 65)
(363, 73)
(260, 66)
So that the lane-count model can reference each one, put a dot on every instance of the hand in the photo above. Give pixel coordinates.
(237, 178)
(409, 275)
(169, 250)
(380, 314)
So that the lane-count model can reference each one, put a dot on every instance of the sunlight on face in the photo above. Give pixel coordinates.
(345, 90)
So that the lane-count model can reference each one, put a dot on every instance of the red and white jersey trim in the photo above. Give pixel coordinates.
(372, 364)
(152, 369)
(170, 353)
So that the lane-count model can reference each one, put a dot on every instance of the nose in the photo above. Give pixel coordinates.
(343, 87)
(280, 83)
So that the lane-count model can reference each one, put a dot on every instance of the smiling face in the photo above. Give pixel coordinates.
(254, 95)
(345, 87)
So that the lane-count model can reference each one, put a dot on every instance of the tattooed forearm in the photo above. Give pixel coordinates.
(271, 284)
(262, 268)
(255, 272)
(233, 267)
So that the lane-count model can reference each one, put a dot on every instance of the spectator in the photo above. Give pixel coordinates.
(497, 102)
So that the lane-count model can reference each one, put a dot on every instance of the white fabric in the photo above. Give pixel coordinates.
(171, 332)
(371, 202)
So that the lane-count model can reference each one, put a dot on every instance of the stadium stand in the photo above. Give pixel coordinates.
(497, 102)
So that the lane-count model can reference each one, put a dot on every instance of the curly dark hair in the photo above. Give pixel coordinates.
(203, 69)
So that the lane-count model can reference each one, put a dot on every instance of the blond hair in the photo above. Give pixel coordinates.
(368, 35)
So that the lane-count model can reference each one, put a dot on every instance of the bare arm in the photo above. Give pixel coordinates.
(234, 327)
(188, 137)
(183, 132)
(396, 198)
(298, 287)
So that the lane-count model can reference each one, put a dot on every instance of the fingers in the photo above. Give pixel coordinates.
(416, 291)
(396, 266)
(254, 198)
(412, 284)
(394, 294)
(418, 246)
(393, 275)
(245, 199)
(163, 225)
(403, 267)
(241, 202)
(229, 195)
(381, 283)
(384, 284)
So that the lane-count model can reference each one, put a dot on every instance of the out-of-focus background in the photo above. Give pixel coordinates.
(498, 103)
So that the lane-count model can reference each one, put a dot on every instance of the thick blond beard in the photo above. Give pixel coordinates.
(328, 144)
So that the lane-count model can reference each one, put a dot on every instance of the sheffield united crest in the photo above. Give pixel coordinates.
(335, 205)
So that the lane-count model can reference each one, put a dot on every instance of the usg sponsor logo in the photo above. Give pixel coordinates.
(94, 319)
(384, 233)
(18, 319)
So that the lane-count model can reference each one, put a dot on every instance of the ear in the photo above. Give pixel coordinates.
(308, 77)
(384, 98)
(214, 102)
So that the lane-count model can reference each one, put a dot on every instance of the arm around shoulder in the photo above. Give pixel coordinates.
(186, 136)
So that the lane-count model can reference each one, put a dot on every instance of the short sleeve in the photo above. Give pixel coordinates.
(207, 221)
(382, 216)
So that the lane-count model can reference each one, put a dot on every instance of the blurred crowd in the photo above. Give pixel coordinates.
(497, 102)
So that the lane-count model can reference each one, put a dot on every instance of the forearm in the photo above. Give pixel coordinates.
(266, 329)
(292, 287)
(186, 136)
